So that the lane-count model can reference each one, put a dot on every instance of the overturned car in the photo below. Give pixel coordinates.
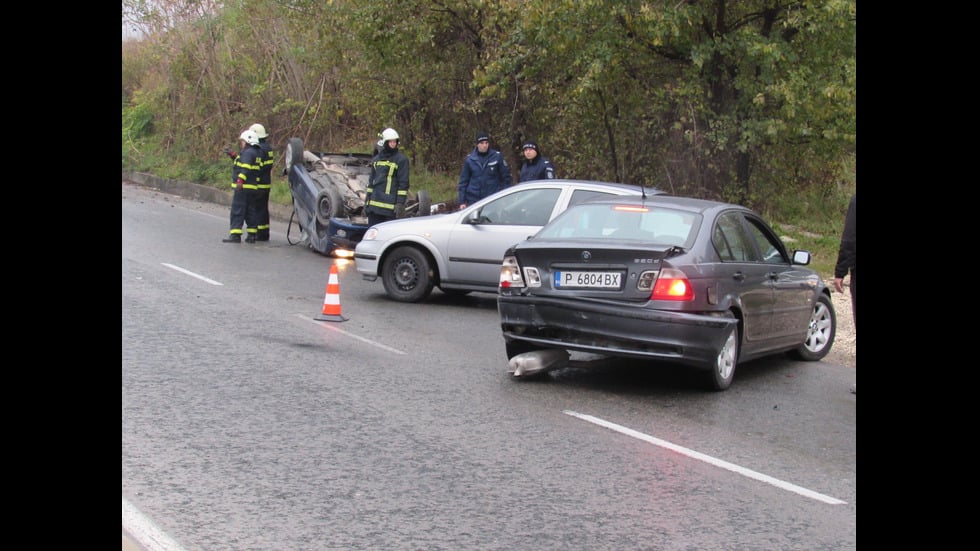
(329, 191)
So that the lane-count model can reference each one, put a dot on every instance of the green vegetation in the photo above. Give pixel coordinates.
(751, 102)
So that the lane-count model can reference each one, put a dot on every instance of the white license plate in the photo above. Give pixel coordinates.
(588, 280)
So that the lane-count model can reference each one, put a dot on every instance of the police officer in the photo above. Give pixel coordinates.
(484, 173)
(265, 183)
(535, 166)
(388, 184)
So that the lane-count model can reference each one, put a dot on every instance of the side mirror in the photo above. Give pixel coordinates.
(801, 257)
(473, 217)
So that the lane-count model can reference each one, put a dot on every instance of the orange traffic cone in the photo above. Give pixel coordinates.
(331, 300)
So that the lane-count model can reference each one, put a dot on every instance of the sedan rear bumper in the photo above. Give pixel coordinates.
(614, 329)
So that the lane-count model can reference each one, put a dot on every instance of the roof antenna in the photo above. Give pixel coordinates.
(643, 192)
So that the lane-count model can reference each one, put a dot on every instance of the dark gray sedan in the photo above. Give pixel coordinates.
(669, 279)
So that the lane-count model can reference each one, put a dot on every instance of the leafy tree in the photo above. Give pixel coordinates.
(750, 101)
(704, 97)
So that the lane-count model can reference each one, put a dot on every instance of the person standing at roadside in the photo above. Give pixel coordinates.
(245, 180)
(535, 167)
(484, 173)
(388, 184)
(265, 183)
(847, 260)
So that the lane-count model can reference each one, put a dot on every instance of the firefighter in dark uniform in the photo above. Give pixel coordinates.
(245, 181)
(387, 188)
(265, 182)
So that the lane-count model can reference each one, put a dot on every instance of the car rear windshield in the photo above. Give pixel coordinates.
(652, 224)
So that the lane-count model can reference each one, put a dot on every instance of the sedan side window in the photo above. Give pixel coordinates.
(531, 207)
(730, 240)
(721, 244)
(771, 251)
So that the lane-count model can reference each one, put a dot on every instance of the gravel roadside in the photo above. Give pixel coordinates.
(844, 351)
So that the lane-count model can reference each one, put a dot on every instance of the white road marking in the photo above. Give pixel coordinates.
(328, 325)
(192, 274)
(142, 529)
(708, 459)
(322, 324)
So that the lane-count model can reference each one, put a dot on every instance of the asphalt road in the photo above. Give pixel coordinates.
(210, 198)
(399, 429)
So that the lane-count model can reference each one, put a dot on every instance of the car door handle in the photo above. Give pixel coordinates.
(738, 276)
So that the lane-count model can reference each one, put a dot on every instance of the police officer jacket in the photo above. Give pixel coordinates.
(388, 183)
(539, 168)
(482, 175)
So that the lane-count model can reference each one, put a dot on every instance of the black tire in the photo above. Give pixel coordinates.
(328, 205)
(294, 153)
(722, 371)
(820, 332)
(424, 205)
(407, 275)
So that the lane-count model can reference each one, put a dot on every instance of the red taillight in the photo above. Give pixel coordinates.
(672, 285)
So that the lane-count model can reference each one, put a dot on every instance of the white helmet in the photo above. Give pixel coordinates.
(389, 134)
(250, 137)
(259, 130)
